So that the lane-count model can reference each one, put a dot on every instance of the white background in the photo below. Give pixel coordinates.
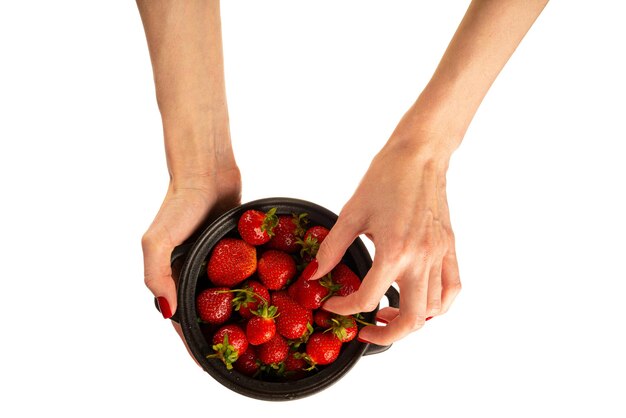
(536, 194)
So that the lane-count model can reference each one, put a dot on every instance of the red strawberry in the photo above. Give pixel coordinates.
(274, 351)
(279, 297)
(344, 328)
(248, 299)
(214, 305)
(275, 269)
(261, 328)
(256, 227)
(312, 293)
(228, 343)
(293, 321)
(295, 365)
(322, 318)
(248, 362)
(322, 348)
(313, 237)
(346, 279)
(231, 262)
(287, 232)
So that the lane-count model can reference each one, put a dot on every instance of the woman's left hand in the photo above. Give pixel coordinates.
(401, 206)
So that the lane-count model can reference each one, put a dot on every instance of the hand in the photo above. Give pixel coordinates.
(187, 205)
(401, 206)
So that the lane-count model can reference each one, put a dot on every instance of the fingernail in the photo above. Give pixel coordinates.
(384, 321)
(362, 340)
(164, 307)
(310, 269)
(430, 317)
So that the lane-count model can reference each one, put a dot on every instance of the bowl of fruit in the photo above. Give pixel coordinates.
(249, 315)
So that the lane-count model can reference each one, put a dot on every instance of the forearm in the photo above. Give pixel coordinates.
(185, 43)
(484, 41)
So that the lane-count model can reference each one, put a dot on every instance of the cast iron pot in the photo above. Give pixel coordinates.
(192, 279)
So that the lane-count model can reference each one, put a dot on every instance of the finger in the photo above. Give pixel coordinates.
(367, 298)
(412, 314)
(433, 306)
(386, 315)
(334, 246)
(450, 280)
(158, 272)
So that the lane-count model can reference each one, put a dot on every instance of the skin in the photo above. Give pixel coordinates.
(413, 236)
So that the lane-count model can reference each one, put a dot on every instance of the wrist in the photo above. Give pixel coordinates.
(419, 150)
(197, 150)
(425, 133)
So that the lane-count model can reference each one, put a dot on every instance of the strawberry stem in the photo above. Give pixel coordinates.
(269, 222)
(225, 352)
(360, 321)
(246, 291)
(265, 311)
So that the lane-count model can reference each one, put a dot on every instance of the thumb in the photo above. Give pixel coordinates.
(158, 273)
(335, 245)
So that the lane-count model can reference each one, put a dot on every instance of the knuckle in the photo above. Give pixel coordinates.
(450, 235)
(455, 286)
(149, 280)
(350, 217)
(365, 304)
(326, 249)
(414, 323)
(434, 306)
(149, 241)
(426, 246)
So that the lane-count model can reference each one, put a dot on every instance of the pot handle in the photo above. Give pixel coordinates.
(393, 296)
(177, 253)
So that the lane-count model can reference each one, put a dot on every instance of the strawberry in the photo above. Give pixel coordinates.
(249, 297)
(279, 298)
(348, 281)
(293, 321)
(295, 365)
(313, 237)
(286, 233)
(275, 269)
(261, 328)
(344, 328)
(214, 305)
(231, 262)
(229, 342)
(312, 293)
(322, 348)
(322, 318)
(248, 362)
(274, 351)
(256, 227)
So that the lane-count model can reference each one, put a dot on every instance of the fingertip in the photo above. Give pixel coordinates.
(309, 272)
(164, 307)
(387, 314)
(334, 246)
(372, 335)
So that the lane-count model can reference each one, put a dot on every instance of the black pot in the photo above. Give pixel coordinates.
(193, 270)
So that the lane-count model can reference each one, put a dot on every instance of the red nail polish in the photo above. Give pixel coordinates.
(164, 307)
(430, 317)
(362, 340)
(384, 321)
(310, 270)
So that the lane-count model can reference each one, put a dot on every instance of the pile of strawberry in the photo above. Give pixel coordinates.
(261, 313)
